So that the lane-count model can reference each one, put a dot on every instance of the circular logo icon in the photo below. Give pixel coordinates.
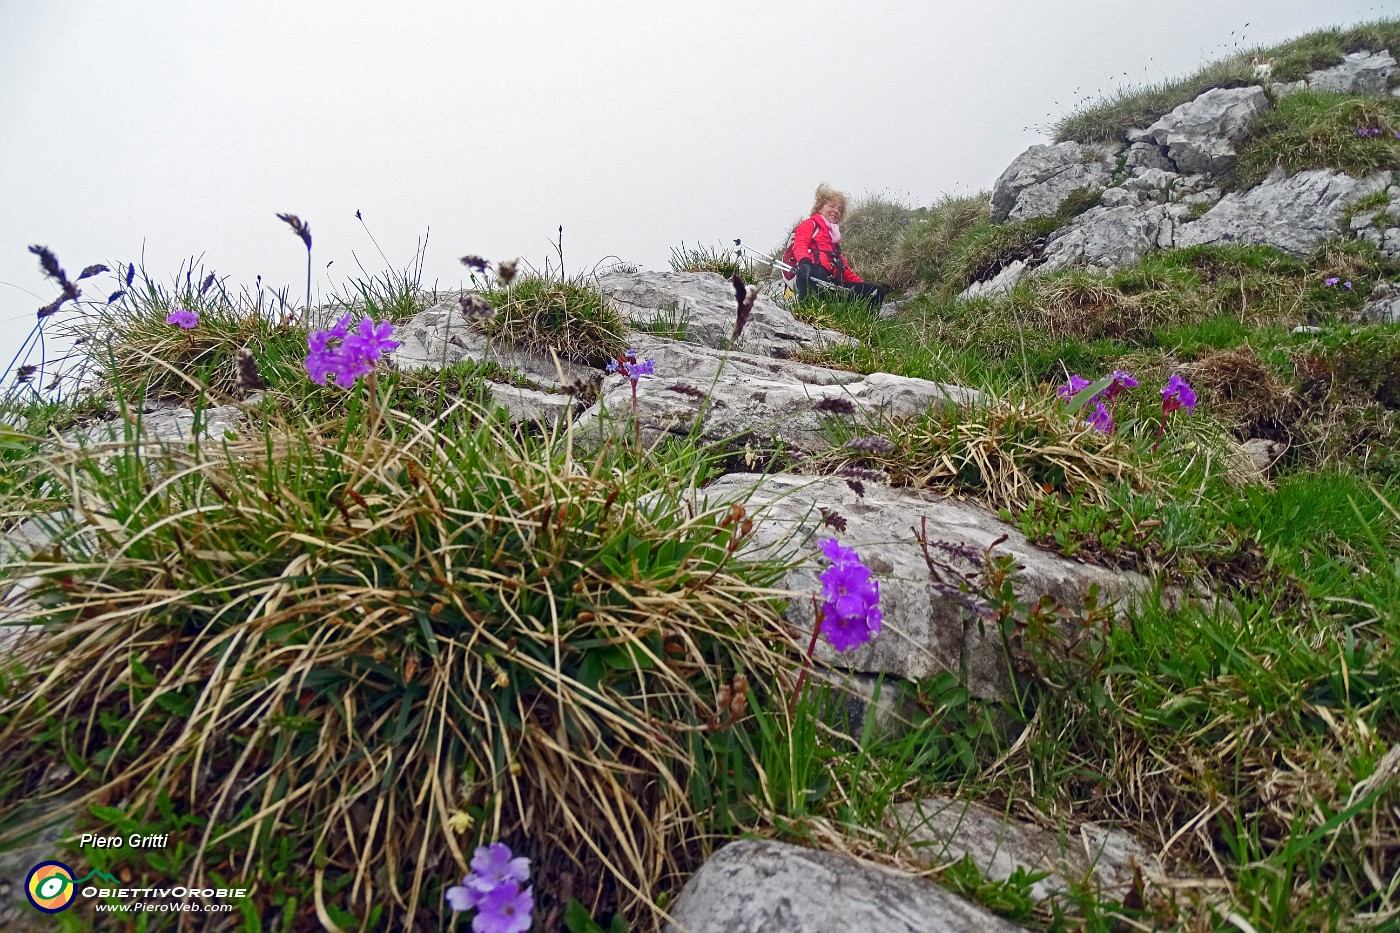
(49, 887)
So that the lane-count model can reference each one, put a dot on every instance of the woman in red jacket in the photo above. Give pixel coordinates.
(817, 245)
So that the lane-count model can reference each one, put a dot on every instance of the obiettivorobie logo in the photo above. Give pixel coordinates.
(51, 887)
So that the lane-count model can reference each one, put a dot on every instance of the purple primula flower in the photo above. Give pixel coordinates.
(1346, 285)
(183, 318)
(494, 864)
(851, 614)
(1101, 418)
(1121, 381)
(372, 340)
(629, 367)
(504, 909)
(493, 890)
(463, 897)
(1177, 394)
(1329, 282)
(1069, 390)
(344, 356)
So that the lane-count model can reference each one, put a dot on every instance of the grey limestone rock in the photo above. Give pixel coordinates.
(999, 284)
(1387, 240)
(924, 630)
(1106, 238)
(161, 423)
(1262, 453)
(439, 337)
(1358, 73)
(1153, 179)
(1294, 214)
(761, 886)
(944, 829)
(1200, 135)
(1383, 306)
(1148, 156)
(740, 394)
(1124, 197)
(705, 303)
(1039, 181)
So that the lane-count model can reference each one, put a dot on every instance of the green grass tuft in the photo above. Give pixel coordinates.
(541, 313)
(1313, 130)
(1129, 107)
(715, 259)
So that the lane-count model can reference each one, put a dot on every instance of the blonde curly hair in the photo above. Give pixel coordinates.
(826, 194)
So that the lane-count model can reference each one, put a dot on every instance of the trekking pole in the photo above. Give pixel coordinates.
(779, 264)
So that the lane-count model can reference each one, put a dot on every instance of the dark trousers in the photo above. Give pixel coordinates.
(861, 291)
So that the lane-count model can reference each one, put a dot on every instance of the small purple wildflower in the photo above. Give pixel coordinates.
(1346, 285)
(345, 356)
(493, 865)
(1329, 282)
(629, 367)
(1177, 394)
(504, 909)
(372, 340)
(1101, 419)
(183, 318)
(851, 613)
(1069, 390)
(493, 889)
(463, 897)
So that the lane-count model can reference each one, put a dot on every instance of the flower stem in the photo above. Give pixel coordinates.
(806, 659)
(373, 402)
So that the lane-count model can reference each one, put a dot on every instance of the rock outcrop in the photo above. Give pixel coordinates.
(1200, 136)
(925, 629)
(1042, 178)
(1360, 72)
(1294, 213)
(1164, 186)
(945, 830)
(740, 395)
(702, 303)
(759, 886)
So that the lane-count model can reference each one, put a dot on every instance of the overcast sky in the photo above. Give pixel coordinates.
(176, 128)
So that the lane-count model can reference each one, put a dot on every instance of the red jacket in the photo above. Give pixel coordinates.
(812, 240)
